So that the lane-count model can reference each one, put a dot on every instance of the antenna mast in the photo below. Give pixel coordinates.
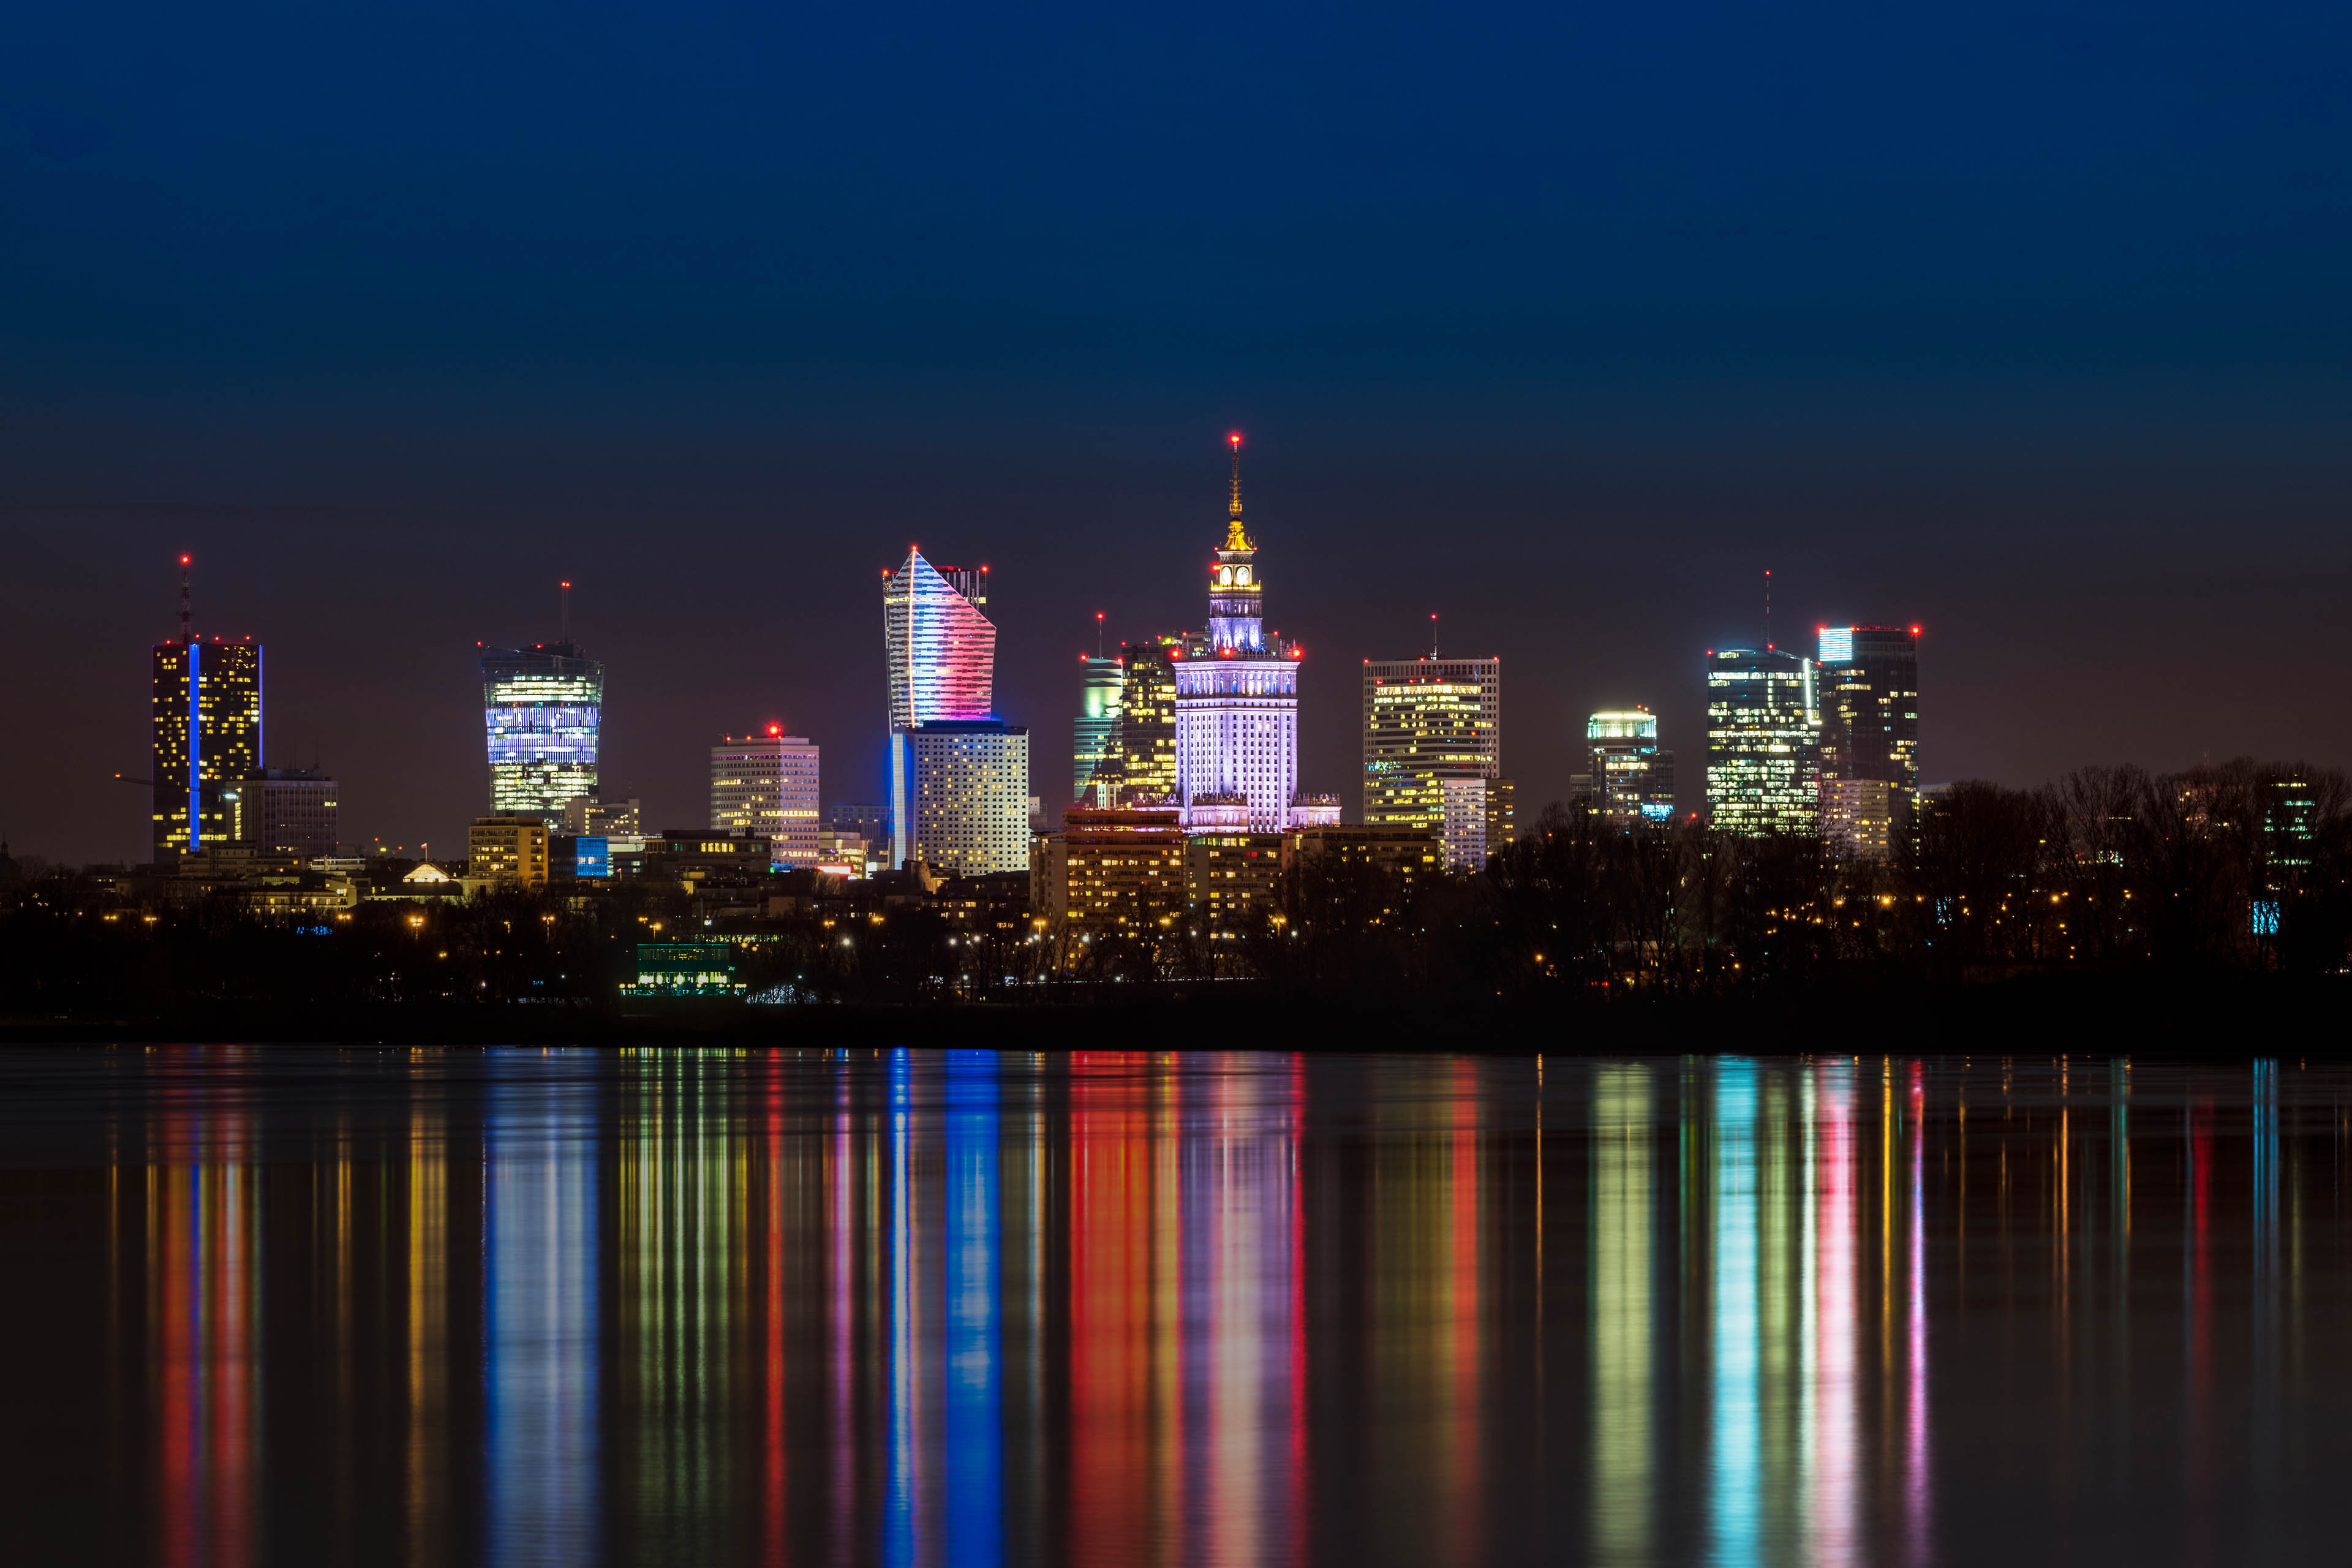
(1433, 634)
(567, 611)
(1768, 609)
(1098, 634)
(185, 635)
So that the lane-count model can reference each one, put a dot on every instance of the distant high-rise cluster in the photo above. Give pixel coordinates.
(1828, 746)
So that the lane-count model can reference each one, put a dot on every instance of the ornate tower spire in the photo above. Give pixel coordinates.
(1234, 538)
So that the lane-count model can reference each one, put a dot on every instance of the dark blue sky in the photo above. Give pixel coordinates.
(1562, 323)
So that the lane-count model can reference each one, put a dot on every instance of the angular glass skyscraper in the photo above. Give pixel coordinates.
(1763, 742)
(958, 776)
(1094, 735)
(542, 707)
(207, 718)
(942, 646)
(1870, 732)
(1236, 696)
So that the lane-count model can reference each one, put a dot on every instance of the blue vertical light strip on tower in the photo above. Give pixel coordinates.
(975, 1396)
(900, 1547)
(195, 756)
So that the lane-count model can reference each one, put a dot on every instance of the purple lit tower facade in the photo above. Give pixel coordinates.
(1237, 700)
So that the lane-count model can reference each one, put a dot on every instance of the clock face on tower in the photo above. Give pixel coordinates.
(1241, 576)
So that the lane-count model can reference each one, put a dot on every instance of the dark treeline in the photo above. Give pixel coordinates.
(2233, 870)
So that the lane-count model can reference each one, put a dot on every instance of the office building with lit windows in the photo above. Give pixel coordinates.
(1763, 741)
(960, 796)
(1236, 696)
(767, 785)
(1109, 872)
(507, 849)
(208, 741)
(1144, 740)
(1094, 735)
(542, 707)
(1869, 688)
(298, 811)
(1631, 779)
(1426, 721)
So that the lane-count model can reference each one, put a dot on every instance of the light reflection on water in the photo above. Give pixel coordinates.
(919, 1307)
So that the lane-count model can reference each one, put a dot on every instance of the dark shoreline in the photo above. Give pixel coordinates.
(2124, 1012)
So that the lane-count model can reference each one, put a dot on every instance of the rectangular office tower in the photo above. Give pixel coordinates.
(767, 785)
(1870, 736)
(299, 812)
(1763, 742)
(207, 740)
(542, 707)
(1428, 721)
(1632, 779)
(1144, 743)
(960, 796)
(1094, 735)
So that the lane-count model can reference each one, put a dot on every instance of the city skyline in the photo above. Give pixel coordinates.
(361, 831)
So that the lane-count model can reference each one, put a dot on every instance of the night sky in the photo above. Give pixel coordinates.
(2029, 324)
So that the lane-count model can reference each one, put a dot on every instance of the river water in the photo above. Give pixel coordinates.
(298, 1306)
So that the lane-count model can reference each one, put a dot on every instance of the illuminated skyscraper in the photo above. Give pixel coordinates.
(208, 736)
(960, 796)
(1427, 721)
(1095, 771)
(542, 707)
(1144, 743)
(1763, 742)
(1237, 695)
(941, 646)
(767, 785)
(1632, 780)
(1870, 735)
(958, 776)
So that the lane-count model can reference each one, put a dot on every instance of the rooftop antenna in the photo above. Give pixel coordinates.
(1098, 634)
(1236, 440)
(185, 635)
(567, 611)
(1433, 634)
(1768, 609)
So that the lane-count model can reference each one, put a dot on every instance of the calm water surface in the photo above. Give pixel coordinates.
(302, 1307)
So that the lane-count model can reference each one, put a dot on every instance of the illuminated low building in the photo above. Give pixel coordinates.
(1763, 736)
(767, 785)
(699, 858)
(684, 969)
(1233, 882)
(1115, 871)
(508, 850)
(1857, 817)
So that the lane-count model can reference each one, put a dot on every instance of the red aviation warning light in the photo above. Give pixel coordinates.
(775, 729)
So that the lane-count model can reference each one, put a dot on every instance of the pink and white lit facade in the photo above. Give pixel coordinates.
(1236, 700)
